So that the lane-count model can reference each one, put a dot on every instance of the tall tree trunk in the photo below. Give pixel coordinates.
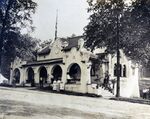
(4, 23)
(6, 66)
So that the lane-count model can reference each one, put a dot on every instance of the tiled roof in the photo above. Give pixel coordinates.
(44, 62)
(44, 51)
(72, 42)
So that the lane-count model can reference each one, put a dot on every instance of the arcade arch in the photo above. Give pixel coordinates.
(56, 73)
(43, 74)
(16, 75)
(30, 76)
(74, 73)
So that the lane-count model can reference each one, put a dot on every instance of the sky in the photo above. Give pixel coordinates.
(72, 18)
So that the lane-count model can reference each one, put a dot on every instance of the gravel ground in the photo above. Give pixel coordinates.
(15, 109)
(22, 103)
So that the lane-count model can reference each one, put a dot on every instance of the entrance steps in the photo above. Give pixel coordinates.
(105, 93)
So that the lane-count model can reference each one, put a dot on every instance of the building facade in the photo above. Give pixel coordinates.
(78, 69)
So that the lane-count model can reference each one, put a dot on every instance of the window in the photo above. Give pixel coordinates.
(115, 69)
(133, 70)
(124, 71)
(93, 70)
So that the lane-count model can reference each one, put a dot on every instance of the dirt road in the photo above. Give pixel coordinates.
(20, 103)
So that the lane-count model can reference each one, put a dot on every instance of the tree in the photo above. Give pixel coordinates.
(14, 15)
(103, 29)
(114, 22)
(133, 27)
(103, 23)
(137, 35)
(45, 43)
(24, 48)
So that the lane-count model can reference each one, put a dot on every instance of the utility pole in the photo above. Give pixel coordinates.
(118, 58)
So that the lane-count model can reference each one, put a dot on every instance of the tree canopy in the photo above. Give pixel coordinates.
(134, 21)
(15, 15)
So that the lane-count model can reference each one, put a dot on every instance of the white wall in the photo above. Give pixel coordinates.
(129, 84)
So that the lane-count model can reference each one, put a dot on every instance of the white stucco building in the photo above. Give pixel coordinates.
(78, 69)
(129, 72)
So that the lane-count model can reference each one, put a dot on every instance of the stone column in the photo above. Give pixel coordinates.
(85, 77)
(36, 74)
(23, 75)
(11, 76)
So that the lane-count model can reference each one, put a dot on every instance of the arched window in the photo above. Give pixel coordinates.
(124, 71)
(115, 69)
(93, 70)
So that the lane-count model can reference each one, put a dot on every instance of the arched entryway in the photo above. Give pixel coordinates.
(56, 73)
(43, 74)
(16, 75)
(30, 78)
(74, 72)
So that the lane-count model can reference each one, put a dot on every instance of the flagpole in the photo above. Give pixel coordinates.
(56, 24)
